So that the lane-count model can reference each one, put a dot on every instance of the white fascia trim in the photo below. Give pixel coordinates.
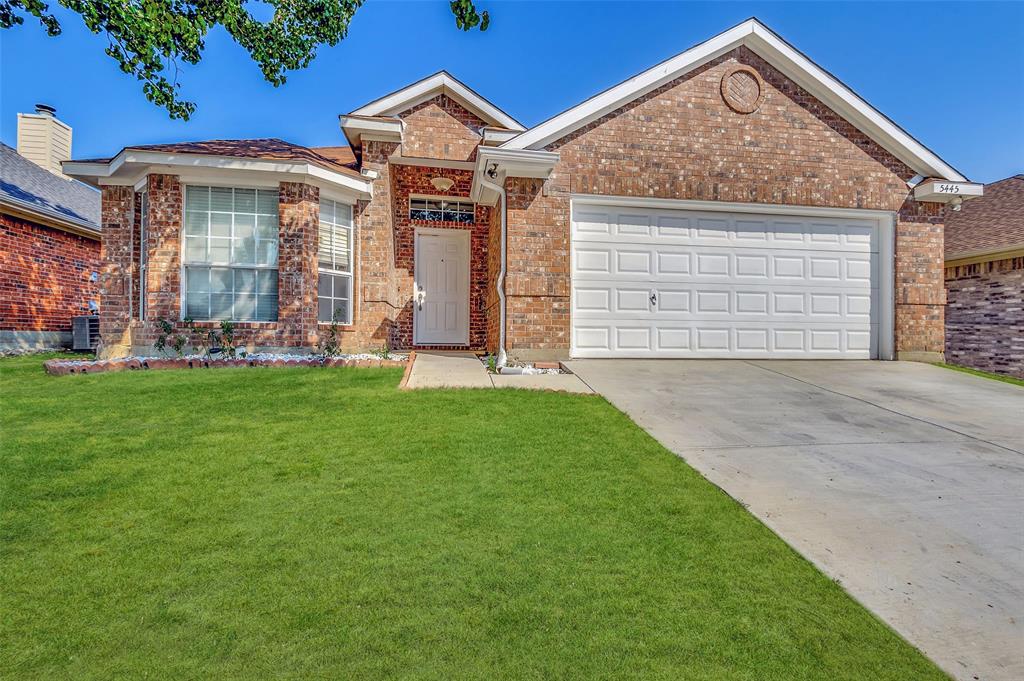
(129, 165)
(492, 137)
(511, 163)
(354, 128)
(420, 91)
(431, 162)
(885, 221)
(777, 52)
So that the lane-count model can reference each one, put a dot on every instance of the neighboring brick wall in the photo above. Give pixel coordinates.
(44, 276)
(440, 128)
(682, 141)
(985, 316)
(407, 180)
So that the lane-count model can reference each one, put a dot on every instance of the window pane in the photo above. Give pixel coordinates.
(196, 223)
(266, 308)
(197, 305)
(245, 200)
(220, 224)
(324, 285)
(343, 287)
(245, 305)
(341, 311)
(343, 214)
(266, 252)
(221, 199)
(266, 202)
(324, 310)
(197, 198)
(220, 250)
(326, 211)
(245, 252)
(245, 226)
(220, 280)
(266, 227)
(245, 281)
(197, 280)
(195, 249)
(220, 306)
(266, 283)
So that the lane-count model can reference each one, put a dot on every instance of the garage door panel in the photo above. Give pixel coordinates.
(693, 228)
(658, 262)
(727, 339)
(681, 283)
(594, 299)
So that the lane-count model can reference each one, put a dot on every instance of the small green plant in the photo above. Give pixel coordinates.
(166, 329)
(227, 335)
(492, 364)
(384, 352)
(207, 341)
(329, 344)
(166, 337)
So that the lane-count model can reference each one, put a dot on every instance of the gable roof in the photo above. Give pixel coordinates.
(780, 54)
(988, 224)
(35, 191)
(441, 82)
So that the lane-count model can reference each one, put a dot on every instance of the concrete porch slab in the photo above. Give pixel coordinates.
(447, 370)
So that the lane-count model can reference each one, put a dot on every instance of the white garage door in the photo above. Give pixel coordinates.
(696, 283)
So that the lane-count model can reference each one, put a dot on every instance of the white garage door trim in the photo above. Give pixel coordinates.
(882, 221)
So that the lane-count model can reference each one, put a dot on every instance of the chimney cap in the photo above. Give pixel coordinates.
(46, 110)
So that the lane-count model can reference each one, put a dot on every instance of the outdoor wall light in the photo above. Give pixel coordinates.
(442, 184)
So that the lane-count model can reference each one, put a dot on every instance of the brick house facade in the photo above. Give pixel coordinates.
(738, 124)
(49, 254)
(984, 276)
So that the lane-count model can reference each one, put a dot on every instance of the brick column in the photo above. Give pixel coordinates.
(375, 292)
(299, 207)
(920, 289)
(163, 249)
(117, 220)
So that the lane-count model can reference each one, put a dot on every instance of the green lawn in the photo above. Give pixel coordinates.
(984, 374)
(307, 524)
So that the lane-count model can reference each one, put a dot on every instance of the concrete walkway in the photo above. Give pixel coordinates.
(465, 370)
(903, 481)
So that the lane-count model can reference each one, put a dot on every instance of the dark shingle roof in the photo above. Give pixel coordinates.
(989, 222)
(273, 149)
(25, 185)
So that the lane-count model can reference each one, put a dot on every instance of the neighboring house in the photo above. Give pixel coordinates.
(734, 201)
(985, 280)
(49, 238)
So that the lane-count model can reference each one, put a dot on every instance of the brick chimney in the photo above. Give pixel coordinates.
(44, 139)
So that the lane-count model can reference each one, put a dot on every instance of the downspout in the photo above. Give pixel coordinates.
(500, 284)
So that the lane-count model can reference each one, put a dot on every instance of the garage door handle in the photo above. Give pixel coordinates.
(654, 298)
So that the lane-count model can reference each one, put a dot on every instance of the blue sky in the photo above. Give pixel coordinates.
(948, 72)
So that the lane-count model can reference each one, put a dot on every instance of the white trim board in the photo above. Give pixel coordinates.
(780, 54)
(885, 221)
(441, 82)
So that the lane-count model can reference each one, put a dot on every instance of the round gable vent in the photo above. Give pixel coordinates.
(742, 89)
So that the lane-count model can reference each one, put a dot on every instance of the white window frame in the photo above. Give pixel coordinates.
(209, 265)
(463, 202)
(334, 271)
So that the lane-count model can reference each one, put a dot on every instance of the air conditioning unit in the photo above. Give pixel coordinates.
(85, 332)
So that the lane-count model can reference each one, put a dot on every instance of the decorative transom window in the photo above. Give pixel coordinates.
(441, 210)
(335, 263)
(230, 253)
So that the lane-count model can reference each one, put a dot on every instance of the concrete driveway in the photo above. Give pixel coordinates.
(903, 481)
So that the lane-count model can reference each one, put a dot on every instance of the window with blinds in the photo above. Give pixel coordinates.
(335, 257)
(230, 253)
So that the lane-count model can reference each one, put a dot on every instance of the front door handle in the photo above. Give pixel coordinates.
(419, 298)
(654, 298)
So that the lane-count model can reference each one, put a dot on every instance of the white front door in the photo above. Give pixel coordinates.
(441, 296)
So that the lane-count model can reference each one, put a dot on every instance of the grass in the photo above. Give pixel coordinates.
(984, 374)
(298, 524)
